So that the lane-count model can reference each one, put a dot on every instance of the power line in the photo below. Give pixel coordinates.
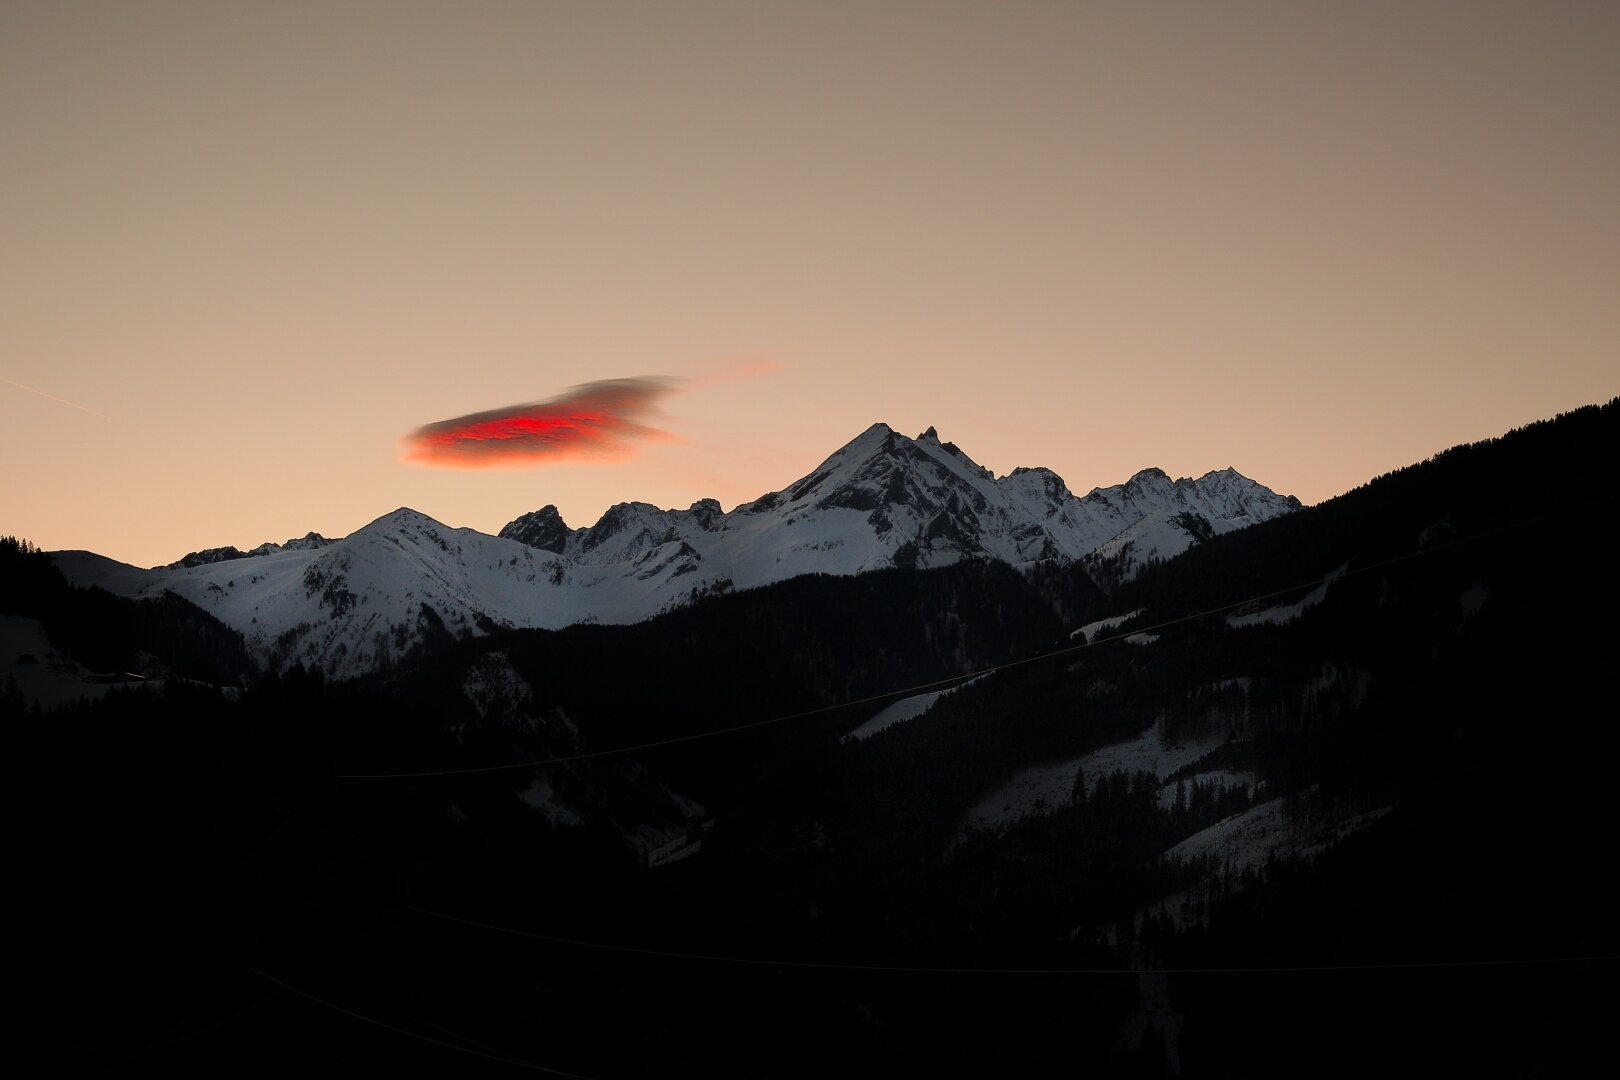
(475, 1042)
(502, 1058)
(911, 969)
(957, 679)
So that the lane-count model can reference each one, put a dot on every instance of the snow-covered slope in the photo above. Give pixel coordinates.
(359, 603)
(353, 605)
(886, 500)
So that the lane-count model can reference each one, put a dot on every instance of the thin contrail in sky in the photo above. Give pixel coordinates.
(53, 397)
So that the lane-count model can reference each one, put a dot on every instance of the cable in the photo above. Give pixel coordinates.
(907, 969)
(475, 1042)
(1065, 651)
(504, 1060)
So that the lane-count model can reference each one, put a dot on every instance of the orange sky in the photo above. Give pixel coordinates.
(257, 244)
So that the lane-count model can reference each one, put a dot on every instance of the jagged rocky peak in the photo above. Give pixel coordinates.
(207, 556)
(880, 438)
(707, 513)
(1230, 480)
(543, 529)
(1048, 484)
(1228, 493)
(1153, 484)
(310, 541)
(931, 436)
(626, 529)
(621, 516)
(880, 468)
(862, 474)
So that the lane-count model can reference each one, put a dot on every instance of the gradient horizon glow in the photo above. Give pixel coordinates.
(248, 246)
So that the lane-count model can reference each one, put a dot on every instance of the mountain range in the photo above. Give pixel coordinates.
(1322, 793)
(883, 500)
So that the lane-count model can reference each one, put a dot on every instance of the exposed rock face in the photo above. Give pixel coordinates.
(543, 529)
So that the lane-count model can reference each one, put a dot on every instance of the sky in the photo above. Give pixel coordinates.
(248, 250)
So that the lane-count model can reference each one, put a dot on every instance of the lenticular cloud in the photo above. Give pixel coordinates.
(595, 420)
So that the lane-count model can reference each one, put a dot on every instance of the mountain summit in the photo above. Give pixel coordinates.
(885, 500)
(882, 500)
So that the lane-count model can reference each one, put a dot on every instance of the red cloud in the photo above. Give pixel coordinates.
(599, 419)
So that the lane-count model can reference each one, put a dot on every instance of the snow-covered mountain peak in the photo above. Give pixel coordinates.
(404, 520)
(708, 514)
(625, 531)
(878, 438)
(1037, 481)
(543, 529)
(881, 500)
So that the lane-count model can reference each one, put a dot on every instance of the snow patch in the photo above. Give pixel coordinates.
(543, 797)
(1104, 626)
(905, 709)
(1287, 613)
(1043, 786)
(1245, 839)
(908, 708)
(1248, 840)
(673, 851)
